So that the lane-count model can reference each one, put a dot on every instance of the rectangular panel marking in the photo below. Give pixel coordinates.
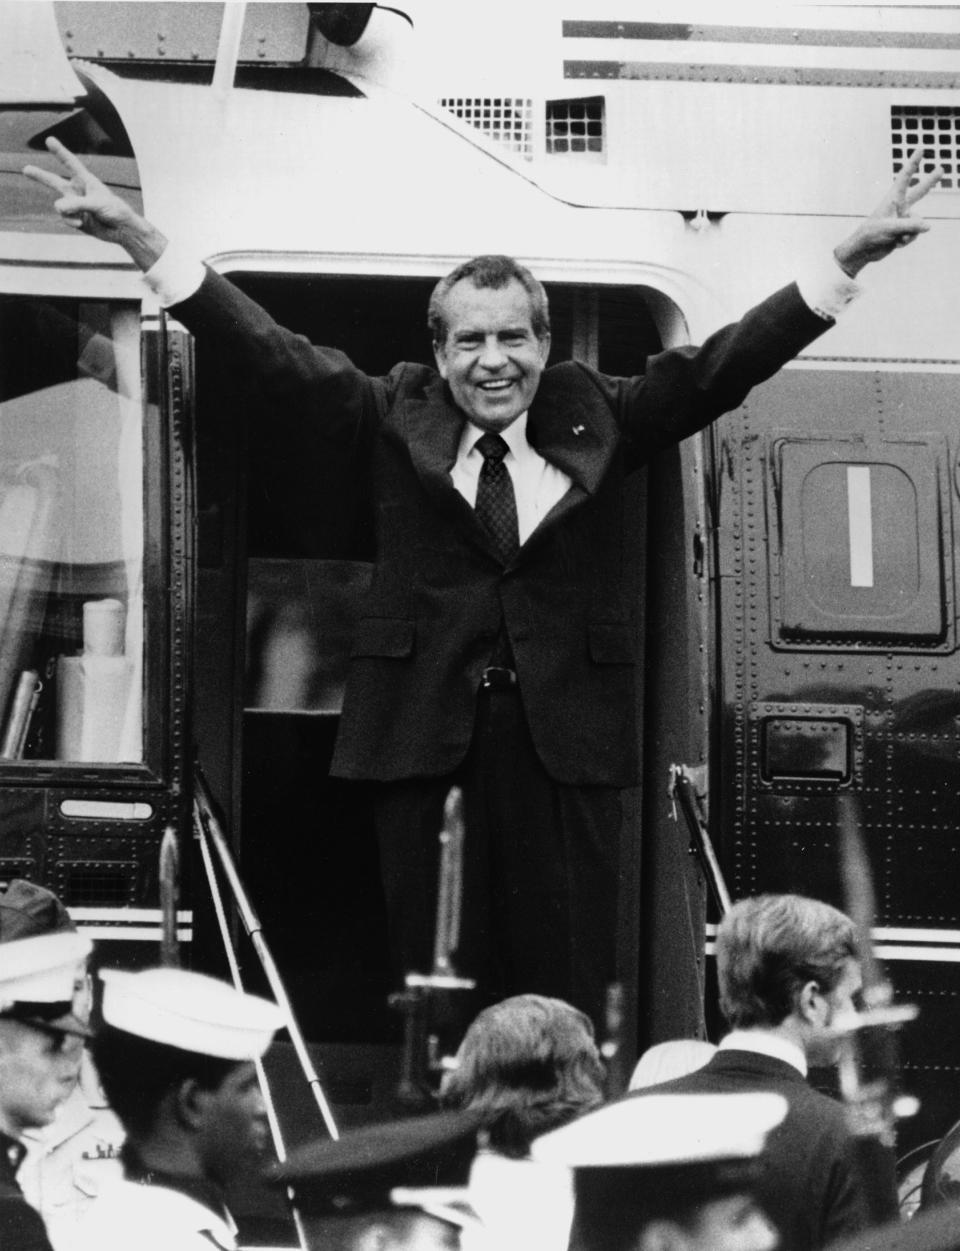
(860, 523)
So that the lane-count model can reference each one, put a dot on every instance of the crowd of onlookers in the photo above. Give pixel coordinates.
(130, 1135)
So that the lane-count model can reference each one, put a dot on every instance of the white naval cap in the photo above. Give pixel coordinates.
(38, 977)
(660, 1131)
(664, 1157)
(190, 1011)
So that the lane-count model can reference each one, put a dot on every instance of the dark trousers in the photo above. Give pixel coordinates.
(541, 867)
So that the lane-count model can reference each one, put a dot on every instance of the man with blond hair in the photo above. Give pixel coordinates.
(787, 969)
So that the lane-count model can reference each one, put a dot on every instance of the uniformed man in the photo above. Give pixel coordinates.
(176, 1057)
(68, 1161)
(668, 1173)
(39, 1033)
(394, 1187)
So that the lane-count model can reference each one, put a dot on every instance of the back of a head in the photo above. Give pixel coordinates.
(769, 946)
(28, 910)
(534, 1060)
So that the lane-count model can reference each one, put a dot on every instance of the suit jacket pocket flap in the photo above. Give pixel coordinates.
(384, 636)
(611, 643)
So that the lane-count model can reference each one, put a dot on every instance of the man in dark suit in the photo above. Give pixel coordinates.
(787, 968)
(498, 644)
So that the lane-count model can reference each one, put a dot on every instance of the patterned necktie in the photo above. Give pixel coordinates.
(496, 503)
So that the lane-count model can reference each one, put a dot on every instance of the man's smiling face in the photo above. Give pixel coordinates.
(491, 359)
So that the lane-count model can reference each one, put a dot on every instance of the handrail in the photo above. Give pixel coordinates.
(209, 832)
(276, 1133)
(682, 791)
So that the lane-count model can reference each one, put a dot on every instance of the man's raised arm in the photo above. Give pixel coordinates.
(88, 205)
(278, 360)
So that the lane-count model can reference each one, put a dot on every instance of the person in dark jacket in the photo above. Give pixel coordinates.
(787, 969)
(498, 645)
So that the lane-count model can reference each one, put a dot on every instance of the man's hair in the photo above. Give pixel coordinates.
(530, 1061)
(769, 947)
(491, 272)
(136, 1074)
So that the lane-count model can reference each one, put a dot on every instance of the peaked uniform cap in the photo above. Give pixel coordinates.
(932, 1229)
(190, 1011)
(658, 1131)
(658, 1156)
(421, 1162)
(38, 977)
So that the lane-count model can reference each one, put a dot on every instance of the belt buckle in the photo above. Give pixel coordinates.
(498, 678)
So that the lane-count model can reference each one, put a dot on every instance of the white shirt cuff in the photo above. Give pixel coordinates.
(827, 290)
(175, 276)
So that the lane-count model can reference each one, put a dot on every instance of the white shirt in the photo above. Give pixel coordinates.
(131, 1217)
(766, 1044)
(522, 1204)
(537, 484)
(69, 1163)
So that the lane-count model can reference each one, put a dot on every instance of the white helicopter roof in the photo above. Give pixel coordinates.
(244, 171)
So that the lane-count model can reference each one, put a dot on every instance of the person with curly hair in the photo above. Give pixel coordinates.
(530, 1064)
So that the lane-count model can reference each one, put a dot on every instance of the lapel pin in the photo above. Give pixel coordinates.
(579, 429)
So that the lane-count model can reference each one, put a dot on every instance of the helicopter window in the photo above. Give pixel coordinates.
(71, 531)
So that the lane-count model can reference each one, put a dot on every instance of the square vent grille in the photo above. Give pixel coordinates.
(575, 127)
(505, 119)
(935, 128)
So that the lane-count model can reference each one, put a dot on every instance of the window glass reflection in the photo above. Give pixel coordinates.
(71, 531)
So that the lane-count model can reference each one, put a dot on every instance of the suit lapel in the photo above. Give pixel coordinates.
(430, 430)
(577, 438)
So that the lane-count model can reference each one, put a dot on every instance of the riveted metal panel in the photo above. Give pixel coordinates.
(776, 829)
(173, 31)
